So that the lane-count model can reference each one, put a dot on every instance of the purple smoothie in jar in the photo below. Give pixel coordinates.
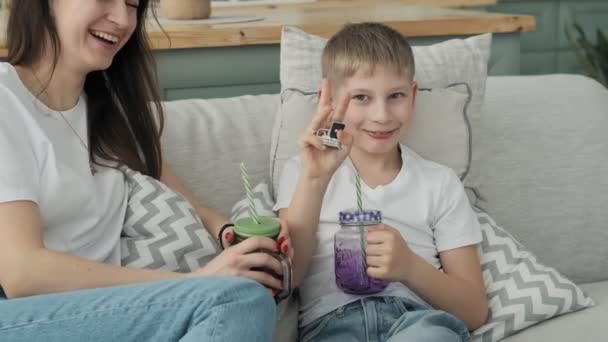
(349, 253)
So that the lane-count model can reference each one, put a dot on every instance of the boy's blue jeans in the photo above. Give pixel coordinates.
(390, 319)
(198, 309)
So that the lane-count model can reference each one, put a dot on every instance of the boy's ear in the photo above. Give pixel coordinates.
(414, 92)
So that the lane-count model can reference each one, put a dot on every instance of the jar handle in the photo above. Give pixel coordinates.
(287, 277)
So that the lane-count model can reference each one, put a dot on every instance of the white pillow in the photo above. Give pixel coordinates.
(437, 66)
(440, 129)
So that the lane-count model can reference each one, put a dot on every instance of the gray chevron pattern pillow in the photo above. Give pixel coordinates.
(521, 291)
(162, 230)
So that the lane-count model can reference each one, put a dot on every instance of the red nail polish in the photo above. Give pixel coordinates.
(281, 240)
(285, 249)
(229, 236)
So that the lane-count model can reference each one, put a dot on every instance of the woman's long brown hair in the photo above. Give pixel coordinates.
(123, 102)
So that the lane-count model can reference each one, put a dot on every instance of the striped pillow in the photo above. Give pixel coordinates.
(162, 230)
(521, 291)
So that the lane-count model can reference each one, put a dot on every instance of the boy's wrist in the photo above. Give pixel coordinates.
(315, 180)
(412, 271)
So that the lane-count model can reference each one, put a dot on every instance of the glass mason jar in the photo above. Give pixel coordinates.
(349, 252)
(245, 228)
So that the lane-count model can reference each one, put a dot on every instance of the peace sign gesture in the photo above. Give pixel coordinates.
(319, 160)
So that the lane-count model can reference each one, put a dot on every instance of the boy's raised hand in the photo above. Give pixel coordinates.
(319, 160)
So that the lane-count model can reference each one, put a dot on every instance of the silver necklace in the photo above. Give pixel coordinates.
(82, 141)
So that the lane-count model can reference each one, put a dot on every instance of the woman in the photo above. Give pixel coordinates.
(74, 105)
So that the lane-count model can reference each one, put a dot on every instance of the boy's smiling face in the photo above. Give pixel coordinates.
(380, 110)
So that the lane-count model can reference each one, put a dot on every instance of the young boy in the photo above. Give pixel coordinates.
(426, 246)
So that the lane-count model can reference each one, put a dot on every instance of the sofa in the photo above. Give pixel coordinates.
(541, 151)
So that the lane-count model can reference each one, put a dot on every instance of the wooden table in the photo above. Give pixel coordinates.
(326, 17)
(285, 13)
(440, 3)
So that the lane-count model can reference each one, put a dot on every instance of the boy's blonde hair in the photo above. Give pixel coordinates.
(366, 45)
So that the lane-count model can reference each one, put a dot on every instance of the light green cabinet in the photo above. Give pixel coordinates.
(254, 69)
(547, 50)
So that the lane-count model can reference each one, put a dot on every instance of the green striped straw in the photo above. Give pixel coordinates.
(252, 211)
(358, 190)
(362, 238)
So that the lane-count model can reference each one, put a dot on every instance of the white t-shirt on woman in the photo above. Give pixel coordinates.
(44, 161)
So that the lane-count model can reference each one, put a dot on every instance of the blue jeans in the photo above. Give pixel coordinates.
(197, 309)
(390, 319)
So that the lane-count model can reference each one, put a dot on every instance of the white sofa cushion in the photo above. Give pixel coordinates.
(205, 140)
(437, 66)
(588, 325)
(440, 129)
(544, 170)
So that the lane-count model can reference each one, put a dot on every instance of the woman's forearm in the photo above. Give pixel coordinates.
(42, 271)
(212, 220)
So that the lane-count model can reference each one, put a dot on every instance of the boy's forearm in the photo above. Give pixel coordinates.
(303, 220)
(449, 293)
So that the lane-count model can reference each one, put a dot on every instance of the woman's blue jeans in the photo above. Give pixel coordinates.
(199, 309)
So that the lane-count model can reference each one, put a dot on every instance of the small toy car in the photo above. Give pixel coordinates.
(330, 136)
